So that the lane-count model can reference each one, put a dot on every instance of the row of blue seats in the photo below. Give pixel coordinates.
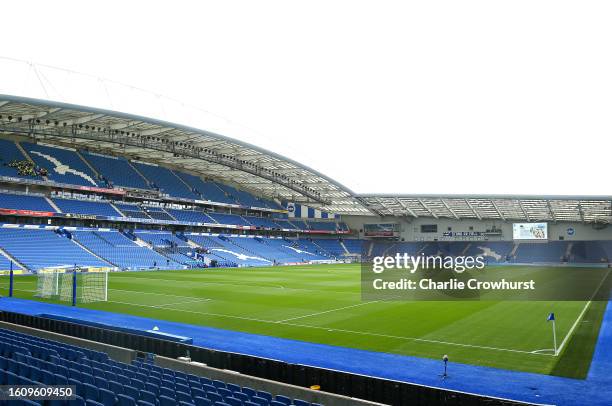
(68, 352)
(104, 208)
(110, 383)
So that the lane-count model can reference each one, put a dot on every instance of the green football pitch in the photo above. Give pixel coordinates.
(322, 304)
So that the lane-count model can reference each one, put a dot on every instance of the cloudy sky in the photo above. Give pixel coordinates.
(398, 97)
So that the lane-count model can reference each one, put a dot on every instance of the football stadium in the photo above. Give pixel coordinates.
(145, 261)
(158, 254)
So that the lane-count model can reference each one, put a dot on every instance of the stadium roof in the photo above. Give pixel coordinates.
(212, 155)
(591, 209)
(264, 172)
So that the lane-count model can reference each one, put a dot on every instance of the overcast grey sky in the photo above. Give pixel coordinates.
(398, 97)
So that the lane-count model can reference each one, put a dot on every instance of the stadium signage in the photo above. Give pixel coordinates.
(28, 213)
(82, 216)
(10, 179)
(463, 234)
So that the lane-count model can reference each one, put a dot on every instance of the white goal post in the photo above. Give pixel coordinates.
(60, 285)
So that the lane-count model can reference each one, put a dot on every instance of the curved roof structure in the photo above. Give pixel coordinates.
(263, 172)
(201, 152)
(587, 209)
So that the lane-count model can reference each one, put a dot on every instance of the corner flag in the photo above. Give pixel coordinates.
(551, 317)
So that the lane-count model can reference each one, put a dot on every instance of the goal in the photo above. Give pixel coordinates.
(73, 286)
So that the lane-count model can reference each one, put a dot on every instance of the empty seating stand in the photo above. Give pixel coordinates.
(353, 246)
(117, 171)
(232, 219)
(99, 380)
(165, 180)
(24, 202)
(63, 165)
(122, 252)
(31, 247)
(96, 208)
(158, 213)
(207, 190)
(131, 210)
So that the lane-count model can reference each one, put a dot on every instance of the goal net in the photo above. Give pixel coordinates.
(90, 286)
(47, 285)
(93, 287)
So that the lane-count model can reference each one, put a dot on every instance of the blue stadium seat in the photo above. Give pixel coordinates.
(283, 399)
(115, 387)
(233, 401)
(124, 400)
(265, 395)
(259, 401)
(90, 391)
(215, 397)
(224, 392)
(197, 391)
(233, 387)
(182, 396)
(167, 391)
(148, 396)
(166, 401)
(153, 387)
(106, 397)
(137, 383)
(241, 396)
(131, 391)
(199, 401)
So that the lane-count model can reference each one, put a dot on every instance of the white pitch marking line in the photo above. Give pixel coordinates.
(569, 333)
(207, 282)
(543, 350)
(327, 311)
(193, 312)
(154, 293)
(180, 303)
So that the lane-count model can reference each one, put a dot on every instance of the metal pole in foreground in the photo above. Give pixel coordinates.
(445, 359)
(11, 280)
(74, 286)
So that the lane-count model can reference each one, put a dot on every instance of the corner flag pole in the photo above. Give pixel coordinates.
(555, 336)
(551, 317)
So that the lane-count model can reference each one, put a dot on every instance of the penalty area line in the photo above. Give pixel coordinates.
(326, 311)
